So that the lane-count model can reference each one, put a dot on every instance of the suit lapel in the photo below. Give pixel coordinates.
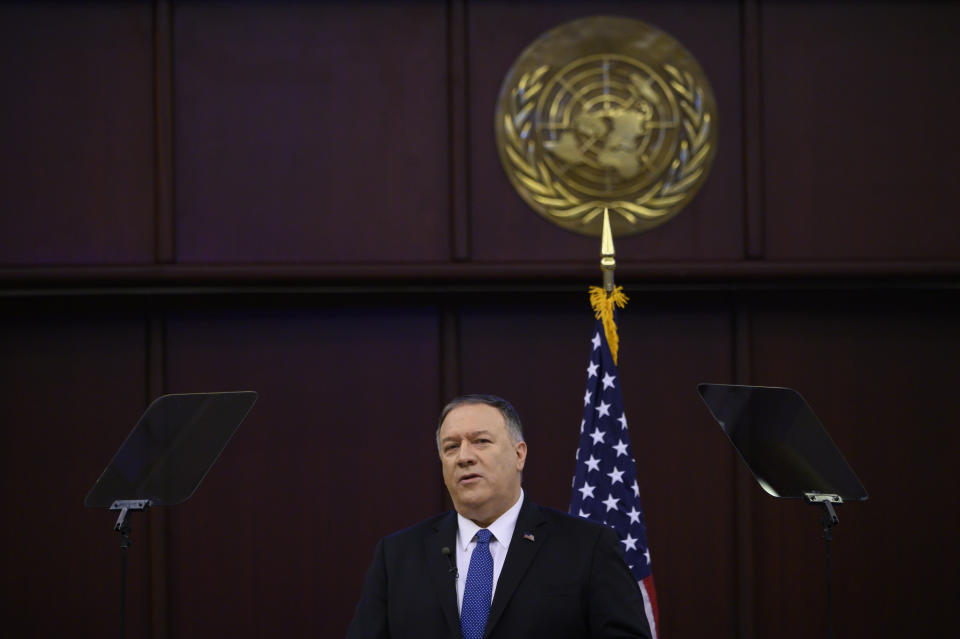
(528, 537)
(444, 535)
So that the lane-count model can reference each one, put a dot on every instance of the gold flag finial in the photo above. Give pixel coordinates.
(607, 261)
(604, 300)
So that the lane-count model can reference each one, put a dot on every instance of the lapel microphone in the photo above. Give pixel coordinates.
(445, 551)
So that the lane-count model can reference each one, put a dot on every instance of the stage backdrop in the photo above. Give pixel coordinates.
(305, 199)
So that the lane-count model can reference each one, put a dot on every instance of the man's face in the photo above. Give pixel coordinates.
(481, 463)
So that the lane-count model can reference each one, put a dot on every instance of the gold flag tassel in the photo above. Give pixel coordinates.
(603, 300)
(603, 306)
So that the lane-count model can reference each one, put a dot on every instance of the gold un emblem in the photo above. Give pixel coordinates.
(611, 113)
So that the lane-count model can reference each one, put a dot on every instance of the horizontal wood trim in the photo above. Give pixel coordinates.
(158, 279)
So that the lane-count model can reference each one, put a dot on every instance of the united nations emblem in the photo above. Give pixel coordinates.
(610, 113)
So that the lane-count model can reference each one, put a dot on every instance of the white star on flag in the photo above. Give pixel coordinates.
(592, 369)
(608, 381)
(621, 448)
(586, 490)
(603, 409)
(630, 542)
(615, 476)
(611, 503)
(597, 436)
(593, 463)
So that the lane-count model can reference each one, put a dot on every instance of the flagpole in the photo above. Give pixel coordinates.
(604, 485)
(607, 261)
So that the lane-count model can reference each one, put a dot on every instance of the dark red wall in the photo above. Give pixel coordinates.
(305, 199)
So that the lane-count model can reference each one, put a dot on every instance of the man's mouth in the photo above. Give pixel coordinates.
(469, 478)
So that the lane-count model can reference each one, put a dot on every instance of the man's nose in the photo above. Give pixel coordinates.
(465, 454)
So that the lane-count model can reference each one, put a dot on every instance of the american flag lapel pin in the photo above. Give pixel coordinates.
(528, 536)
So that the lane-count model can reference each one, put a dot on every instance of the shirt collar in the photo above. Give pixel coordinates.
(502, 528)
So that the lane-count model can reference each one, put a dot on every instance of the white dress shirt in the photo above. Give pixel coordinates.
(502, 531)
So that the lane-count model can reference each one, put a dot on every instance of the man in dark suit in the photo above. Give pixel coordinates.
(549, 575)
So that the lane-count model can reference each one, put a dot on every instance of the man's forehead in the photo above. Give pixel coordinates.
(472, 417)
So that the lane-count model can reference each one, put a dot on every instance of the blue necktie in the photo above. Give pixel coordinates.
(478, 590)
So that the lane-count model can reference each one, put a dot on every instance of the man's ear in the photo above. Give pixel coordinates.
(521, 449)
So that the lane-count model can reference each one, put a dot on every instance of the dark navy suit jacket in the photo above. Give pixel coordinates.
(563, 577)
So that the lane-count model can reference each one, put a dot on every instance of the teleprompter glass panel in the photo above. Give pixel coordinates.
(170, 450)
(781, 440)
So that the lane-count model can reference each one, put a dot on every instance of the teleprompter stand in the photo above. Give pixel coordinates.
(164, 459)
(788, 451)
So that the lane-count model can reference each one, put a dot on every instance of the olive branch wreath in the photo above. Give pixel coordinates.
(654, 202)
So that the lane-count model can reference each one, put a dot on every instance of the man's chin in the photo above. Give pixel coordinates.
(470, 505)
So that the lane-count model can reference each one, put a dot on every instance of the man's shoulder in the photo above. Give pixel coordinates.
(419, 529)
(563, 518)
(570, 524)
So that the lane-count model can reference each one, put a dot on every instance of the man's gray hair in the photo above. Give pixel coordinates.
(510, 417)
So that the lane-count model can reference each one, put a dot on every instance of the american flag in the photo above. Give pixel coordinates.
(605, 480)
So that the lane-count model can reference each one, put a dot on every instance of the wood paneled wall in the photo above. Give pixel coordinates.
(305, 199)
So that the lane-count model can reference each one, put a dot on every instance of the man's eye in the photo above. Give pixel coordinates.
(450, 448)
